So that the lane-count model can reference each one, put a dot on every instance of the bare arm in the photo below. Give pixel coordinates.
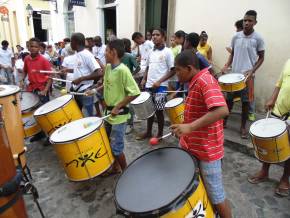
(168, 75)
(123, 103)
(271, 102)
(97, 74)
(209, 55)
(261, 55)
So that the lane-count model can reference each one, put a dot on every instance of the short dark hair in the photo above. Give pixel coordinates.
(239, 24)
(127, 44)
(186, 58)
(66, 39)
(89, 38)
(34, 39)
(193, 39)
(23, 55)
(43, 45)
(252, 13)
(203, 35)
(136, 35)
(79, 38)
(118, 45)
(180, 33)
(162, 31)
(4, 43)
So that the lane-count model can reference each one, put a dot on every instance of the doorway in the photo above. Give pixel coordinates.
(110, 23)
(156, 14)
(39, 33)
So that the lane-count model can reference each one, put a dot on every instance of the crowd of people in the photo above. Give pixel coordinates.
(112, 76)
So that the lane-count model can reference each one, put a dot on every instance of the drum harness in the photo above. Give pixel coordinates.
(18, 185)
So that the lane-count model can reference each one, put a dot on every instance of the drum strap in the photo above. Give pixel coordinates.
(11, 186)
(11, 202)
(125, 110)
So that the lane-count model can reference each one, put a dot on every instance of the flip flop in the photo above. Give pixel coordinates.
(257, 180)
(282, 192)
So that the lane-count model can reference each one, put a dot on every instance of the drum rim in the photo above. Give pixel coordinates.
(31, 108)
(56, 109)
(143, 101)
(175, 105)
(81, 137)
(269, 137)
(242, 81)
(17, 91)
(172, 205)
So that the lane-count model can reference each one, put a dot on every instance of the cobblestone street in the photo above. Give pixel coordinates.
(61, 198)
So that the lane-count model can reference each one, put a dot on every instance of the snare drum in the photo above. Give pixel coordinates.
(270, 140)
(143, 106)
(162, 183)
(232, 82)
(175, 110)
(9, 99)
(29, 103)
(57, 113)
(84, 151)
(8, 172)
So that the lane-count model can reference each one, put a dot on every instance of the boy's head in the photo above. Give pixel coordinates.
(42, 47)
(66, 40)
(127, 45)
(138, 38)
(148, 35)
(90, 41)
(34, 46)
(115, 50)
(172, 41)
(158, 36)
(98, 41)
(203, 38)
(180, 37)
(186, 66)
(239, 25)
(4, 44)
(191, 41)
(250, 20)
(78, 41)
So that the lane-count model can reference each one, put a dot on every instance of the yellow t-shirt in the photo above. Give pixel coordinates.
(282, 105)
(204, 50)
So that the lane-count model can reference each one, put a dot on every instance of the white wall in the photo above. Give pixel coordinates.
(217, 18)
(57, 22)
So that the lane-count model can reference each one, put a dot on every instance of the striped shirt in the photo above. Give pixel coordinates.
(204, 94)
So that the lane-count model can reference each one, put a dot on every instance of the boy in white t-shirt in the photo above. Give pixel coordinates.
(86, 71)
(68, 65)
(6, 64)
(159, 69)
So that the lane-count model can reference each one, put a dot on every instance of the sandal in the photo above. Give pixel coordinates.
(257, 180)
(282, 192)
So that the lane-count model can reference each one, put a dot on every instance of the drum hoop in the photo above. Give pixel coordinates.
(143, 101)
(31, 108)
(56, 109)
(81, 137)
(175, 105)
(180, 200)
(11, 93)
(242, 82)
(270, 137)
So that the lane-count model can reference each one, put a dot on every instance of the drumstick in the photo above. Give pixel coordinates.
(154, 140)
(175, 91)
(77, 93)
(246, 77)
(48, 71)
(268, 114)
(61, 80)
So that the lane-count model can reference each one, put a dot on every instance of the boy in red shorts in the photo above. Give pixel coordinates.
(201, 134)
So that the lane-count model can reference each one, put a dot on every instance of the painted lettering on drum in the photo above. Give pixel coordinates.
(86, 158)
(199, 210)
(59, 124)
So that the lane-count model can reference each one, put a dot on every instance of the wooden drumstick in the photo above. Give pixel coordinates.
(175, 91)
(61, 80)
(77, 93)
(268, 114)
(154, 140)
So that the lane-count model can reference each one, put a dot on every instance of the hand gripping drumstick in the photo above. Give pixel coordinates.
(154, 140)
(61, 80)
(77, 93)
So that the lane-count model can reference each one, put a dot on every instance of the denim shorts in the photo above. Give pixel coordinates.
(212, 177)
(86, 102)
(116, 134)
(243, 94)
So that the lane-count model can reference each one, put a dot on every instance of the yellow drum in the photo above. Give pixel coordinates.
(162, 183)
(57, 113)
(175, 110)
(9, 99)
(83, 148)
(232, 82)
(270, 140)
(29, 103)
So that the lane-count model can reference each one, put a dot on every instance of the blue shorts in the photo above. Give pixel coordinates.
(86, 102)
(116, 134)
(211, 173)
(243, 94)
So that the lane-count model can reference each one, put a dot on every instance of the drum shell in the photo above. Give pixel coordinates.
(176, 113)
(95, 145)
(272, 149)
(51, 121)
(34, 128)
(232, 87)
(7, 169)
(193, 202)
(13, 125)
(144, 110)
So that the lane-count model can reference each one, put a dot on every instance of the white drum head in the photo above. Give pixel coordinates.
(268, 128)
(6, 90)
(231, 78)
(28, 100)
(144, 96)
(75, 130)
(53, 105)
(173, 102)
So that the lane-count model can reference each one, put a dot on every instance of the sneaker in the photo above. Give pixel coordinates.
(251, 117)
(129, 129)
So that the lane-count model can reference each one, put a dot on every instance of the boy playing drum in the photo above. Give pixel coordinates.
(202, 131)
